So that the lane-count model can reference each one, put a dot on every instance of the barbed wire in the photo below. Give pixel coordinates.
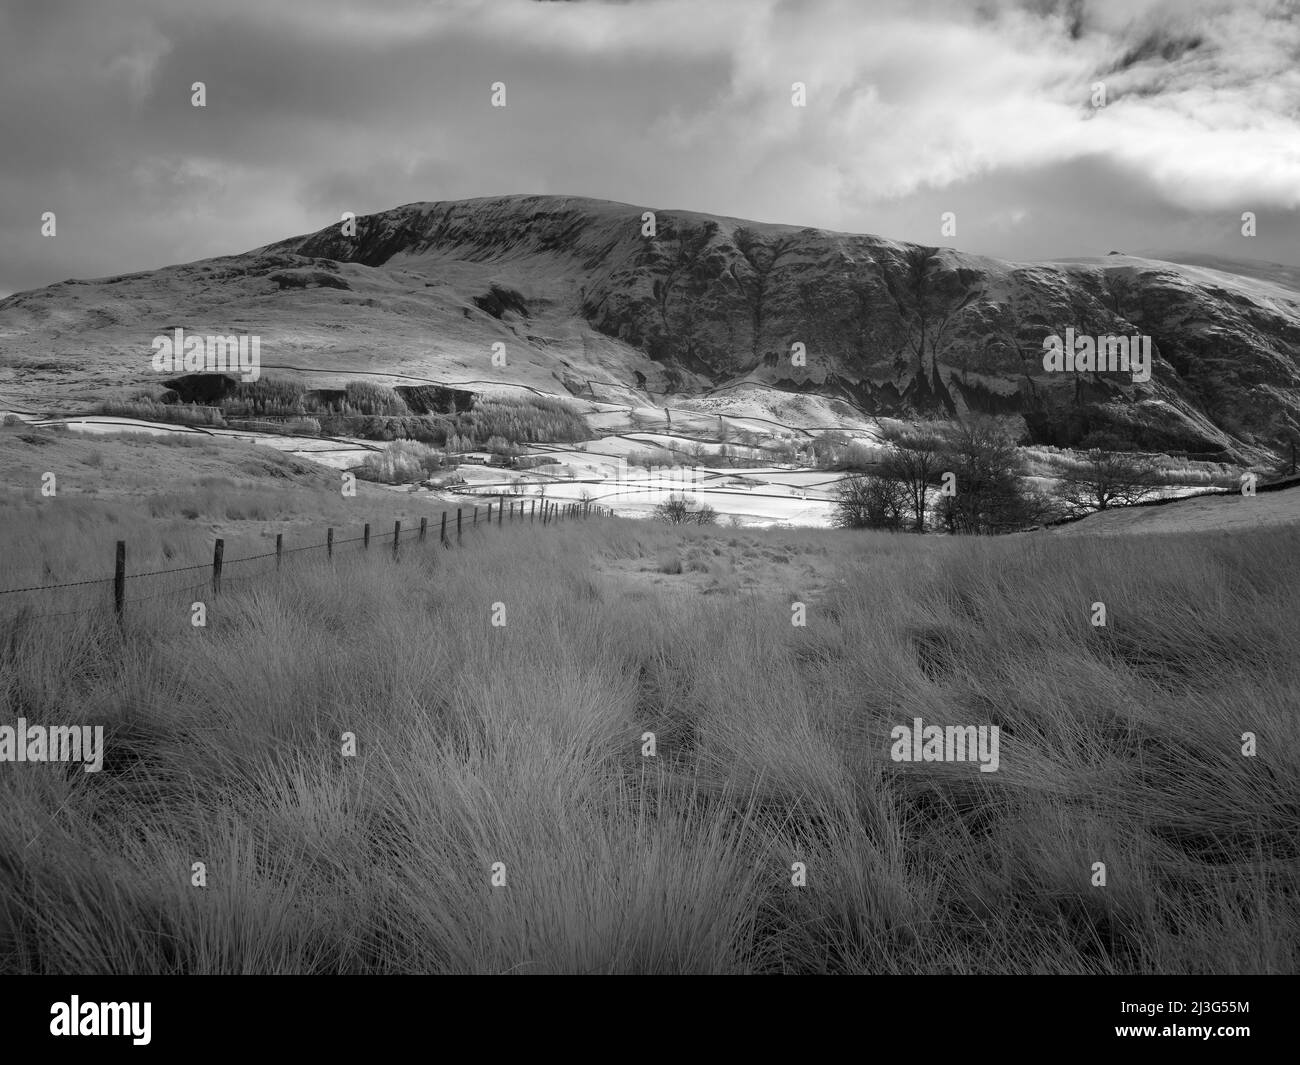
(52, 587)
(390, 537)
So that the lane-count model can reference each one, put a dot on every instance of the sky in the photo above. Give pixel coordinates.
(983, 108)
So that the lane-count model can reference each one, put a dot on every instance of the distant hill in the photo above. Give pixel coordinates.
(580, 298)
(1276, 273)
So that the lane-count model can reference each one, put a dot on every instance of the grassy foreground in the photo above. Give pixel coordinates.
(522, 744)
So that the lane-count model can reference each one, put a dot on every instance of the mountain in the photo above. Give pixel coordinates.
(584, 302)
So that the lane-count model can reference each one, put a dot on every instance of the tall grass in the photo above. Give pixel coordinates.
(522, 745)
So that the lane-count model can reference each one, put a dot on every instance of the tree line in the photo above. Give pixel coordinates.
(970, 477)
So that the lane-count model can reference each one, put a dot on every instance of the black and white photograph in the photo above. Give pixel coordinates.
(651, 487)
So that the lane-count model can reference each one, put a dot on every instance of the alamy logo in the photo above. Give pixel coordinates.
(946, 743)
(1111, 354)
(102, 1018)
(53, 743)
(179, 353)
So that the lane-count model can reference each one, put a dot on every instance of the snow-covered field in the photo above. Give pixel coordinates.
(598, 470)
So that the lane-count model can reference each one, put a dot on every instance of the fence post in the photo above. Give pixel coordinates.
(442, 533)
(532, 512)
(119, 580)
(397, 536)
(501, 507)
(476, 516)
(329, 542)
(217, 551)
(458, 525)
(279, 548)
(424, 527)
(489, 518)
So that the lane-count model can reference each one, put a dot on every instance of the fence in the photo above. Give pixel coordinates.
(511, 512)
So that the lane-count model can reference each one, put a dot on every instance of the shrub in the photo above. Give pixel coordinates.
(668, 561)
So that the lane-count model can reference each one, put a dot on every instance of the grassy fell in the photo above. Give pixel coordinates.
(522, 744)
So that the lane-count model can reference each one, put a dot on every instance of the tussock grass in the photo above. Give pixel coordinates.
(522, 745)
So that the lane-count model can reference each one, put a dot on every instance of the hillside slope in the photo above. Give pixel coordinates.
(584, 303)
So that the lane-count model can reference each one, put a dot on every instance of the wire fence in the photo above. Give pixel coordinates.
(449, 529)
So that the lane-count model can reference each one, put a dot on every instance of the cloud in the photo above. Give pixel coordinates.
(319, 107)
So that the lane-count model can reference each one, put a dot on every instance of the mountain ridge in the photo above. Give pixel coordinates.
(575, 292)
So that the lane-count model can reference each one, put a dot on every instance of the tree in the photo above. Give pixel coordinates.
(914, 464)
(1106, 479)
(682, 510)
(829, 448)
(866, 501)
(991, 494)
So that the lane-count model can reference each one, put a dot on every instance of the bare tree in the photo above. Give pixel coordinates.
(1107, 479)
(914, 465)
(683, 510)
(866, 501)
(991, 494)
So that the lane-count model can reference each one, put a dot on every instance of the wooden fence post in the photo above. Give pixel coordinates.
(501, 508)
(365, 537)
(424, 528)
(532, 512)
(119, 580)
(329, 542)
(442, 533)
(476, 516)
(489, 518)
(458, 525)
(397, 536)
(217, 551)
(279, 549)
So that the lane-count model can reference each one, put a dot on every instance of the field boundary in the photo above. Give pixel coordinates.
(450, 532)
